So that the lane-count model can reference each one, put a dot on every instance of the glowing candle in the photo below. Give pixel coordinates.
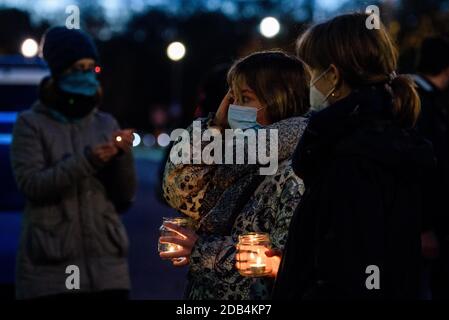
(251, 258)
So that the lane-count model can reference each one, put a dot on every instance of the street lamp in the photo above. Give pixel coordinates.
(176, 51)
(29, 48)
(269, 27)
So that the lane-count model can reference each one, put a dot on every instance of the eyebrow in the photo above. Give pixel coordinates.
(247, 91)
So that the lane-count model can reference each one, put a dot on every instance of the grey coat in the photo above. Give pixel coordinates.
(71, 213)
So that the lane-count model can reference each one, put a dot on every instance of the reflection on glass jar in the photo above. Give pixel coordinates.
(251, 259)
(166, 232)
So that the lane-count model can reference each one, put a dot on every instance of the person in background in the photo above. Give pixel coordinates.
(75, 168)
(267, 90)
(432, 80)
(356, 232)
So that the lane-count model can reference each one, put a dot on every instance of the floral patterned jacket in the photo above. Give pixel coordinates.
(211, 193)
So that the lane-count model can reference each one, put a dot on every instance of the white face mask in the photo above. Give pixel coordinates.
(240, 117)
(318, 101)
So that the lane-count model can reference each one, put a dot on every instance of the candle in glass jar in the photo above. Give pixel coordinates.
(259, 267)
(173, 247)
(251, 258)
(166, 232)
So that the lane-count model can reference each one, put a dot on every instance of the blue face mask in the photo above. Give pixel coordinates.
(79, 82)
(242, 117)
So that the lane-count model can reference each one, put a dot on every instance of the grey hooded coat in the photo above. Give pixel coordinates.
(71, 213)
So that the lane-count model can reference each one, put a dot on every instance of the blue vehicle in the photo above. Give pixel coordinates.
(19, 81)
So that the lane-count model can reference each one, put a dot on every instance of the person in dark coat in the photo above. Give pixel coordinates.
(74, 166)
(433, 124)
(356, 232)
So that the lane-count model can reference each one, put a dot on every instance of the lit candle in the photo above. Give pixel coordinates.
(173, 247)
(118, 138)
(258, 268)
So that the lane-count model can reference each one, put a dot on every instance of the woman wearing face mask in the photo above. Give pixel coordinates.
(269, 90)
(356, 233)
(75, 168)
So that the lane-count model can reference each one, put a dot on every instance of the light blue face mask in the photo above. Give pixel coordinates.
(79, 82)
(243, 117)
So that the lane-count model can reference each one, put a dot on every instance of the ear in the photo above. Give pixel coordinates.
(334, 75)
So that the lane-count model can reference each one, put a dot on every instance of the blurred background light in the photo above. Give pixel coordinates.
(136, 140)
(176, 51)
(163, 139)
(149, 140)
(269, 27)
(29, 48)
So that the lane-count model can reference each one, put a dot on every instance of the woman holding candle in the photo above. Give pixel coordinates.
(356, 233)
(228, 200)
(75, 168)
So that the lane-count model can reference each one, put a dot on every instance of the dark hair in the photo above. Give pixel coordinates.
(279, 80)
(433, 56)
(363, 56)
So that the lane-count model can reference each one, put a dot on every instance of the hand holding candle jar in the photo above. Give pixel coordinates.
(251, 260)
(177, 240)
(123, 139)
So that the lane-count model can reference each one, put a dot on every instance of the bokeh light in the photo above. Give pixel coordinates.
(176, 51)
(163, 140)
(136, 140)
(149, 140)
(29, 48)
(269, 27)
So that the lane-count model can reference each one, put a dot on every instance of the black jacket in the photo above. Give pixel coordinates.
(364, 179)
(433, 125)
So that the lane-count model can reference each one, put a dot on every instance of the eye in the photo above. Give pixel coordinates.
(246, 99)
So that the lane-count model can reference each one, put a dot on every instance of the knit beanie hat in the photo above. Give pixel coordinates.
(61, 47)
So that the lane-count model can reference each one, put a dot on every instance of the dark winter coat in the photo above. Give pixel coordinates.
(362, 207)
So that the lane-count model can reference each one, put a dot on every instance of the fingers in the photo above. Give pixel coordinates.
(126, 135)
(105, 152)
(123, 139)
(183, 232)
(176, 240)
(273, 253)
(174, 254)
(184, 261)
(229, 96)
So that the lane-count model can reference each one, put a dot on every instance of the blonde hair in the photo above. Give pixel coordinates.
(279, 80)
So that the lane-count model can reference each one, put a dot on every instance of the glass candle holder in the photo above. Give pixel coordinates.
(251, 258)
(165, 232)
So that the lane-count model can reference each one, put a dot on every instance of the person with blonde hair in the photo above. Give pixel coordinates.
(267, 90)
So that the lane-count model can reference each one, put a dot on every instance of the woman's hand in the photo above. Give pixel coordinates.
(186, 238)
(221, 116)
(123, 139)
(274, 258)
(103, 153)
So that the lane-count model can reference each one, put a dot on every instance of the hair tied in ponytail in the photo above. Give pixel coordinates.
(391, 76)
